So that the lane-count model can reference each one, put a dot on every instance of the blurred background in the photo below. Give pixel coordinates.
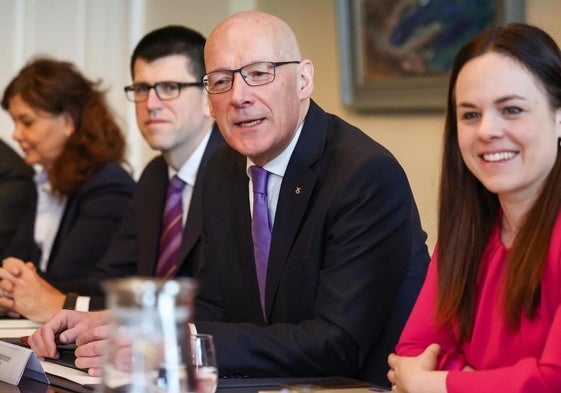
(99, 35)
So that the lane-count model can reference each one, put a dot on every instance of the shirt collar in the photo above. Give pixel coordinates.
(188, 171)
(277, 165)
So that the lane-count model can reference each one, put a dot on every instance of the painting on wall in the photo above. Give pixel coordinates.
(395, 55)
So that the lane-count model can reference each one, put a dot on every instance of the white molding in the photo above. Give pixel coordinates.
(96, 35)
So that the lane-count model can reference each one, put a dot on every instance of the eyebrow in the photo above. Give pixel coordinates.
(500, 100)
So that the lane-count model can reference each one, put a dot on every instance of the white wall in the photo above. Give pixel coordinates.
(100, 34)
(94, 34)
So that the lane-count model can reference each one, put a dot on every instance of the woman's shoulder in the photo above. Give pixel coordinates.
(111, 173)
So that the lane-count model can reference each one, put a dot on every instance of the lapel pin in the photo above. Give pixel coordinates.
(298, 190)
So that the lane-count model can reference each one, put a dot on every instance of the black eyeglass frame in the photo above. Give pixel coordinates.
(180, 87)
(275, 64)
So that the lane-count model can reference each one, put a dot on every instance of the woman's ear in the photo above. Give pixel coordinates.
(68, 124)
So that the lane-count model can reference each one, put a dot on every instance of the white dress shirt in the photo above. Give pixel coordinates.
(276, 167)
(50, 209)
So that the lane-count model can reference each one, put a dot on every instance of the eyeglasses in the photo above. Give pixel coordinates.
(164, 90)
(255, 74)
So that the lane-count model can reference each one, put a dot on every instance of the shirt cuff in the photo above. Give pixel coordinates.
(83, 303)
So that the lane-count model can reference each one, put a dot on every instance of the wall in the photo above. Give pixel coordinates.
(414, 140)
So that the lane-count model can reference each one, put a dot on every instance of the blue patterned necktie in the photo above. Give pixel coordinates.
(172, 226)
(260, 228)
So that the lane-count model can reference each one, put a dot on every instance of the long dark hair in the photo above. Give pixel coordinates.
(58, 87)
(468, 211)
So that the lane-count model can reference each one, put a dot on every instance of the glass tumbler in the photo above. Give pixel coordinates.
(203, 357)
(148, 349)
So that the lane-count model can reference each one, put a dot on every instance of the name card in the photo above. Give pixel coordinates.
(17, 361)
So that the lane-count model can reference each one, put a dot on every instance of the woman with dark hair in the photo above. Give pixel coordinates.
(488, 318)
(66, 129)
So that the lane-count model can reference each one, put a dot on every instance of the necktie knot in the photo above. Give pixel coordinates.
(176, 184)
(259, 177)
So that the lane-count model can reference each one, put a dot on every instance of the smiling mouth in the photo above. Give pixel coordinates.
(249, 123)
(500, 156)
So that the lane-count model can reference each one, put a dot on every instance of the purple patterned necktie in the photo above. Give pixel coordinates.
(260, 228)
(172, 225)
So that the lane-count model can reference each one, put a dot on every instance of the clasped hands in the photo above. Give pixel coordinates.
(24, 292)
(417, 374)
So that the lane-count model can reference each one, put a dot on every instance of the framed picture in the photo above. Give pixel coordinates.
(395, 55)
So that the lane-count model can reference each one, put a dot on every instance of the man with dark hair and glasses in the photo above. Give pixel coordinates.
(313, 253)
(173, 116)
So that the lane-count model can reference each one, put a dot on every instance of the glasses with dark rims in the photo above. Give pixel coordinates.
(255, 74)
(165, 91)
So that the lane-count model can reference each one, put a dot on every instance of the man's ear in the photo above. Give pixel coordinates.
(206, 106)
(305, 78)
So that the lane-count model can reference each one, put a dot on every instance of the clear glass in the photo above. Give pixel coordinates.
(204, 363)
(148, 350)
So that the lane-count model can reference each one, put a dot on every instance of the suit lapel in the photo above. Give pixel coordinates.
(240, 229)
(193, 224)
(150, 227)
(296, 190)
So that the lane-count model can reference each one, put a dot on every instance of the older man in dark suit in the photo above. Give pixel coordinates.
(342, 231)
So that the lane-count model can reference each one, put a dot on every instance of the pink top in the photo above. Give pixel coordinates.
(528, 360)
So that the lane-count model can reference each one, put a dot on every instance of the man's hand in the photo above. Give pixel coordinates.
(89, 330)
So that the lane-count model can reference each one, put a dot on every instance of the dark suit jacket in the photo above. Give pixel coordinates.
(17, 192)
(134, 250)
(90, 219)
(346, 231)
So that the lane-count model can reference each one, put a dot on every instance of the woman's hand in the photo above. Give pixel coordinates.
(29, 294)
(417, 374)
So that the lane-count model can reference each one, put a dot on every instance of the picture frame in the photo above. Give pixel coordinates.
(389, 57)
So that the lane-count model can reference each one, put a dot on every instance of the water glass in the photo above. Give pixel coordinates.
(148, 349)
(204, 363)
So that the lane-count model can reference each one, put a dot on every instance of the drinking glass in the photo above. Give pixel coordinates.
(204, 363)
(148, 349)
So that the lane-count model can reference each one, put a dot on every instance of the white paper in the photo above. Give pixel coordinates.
(17, 324)
(16, 333)
(15, 328)
(72, 374)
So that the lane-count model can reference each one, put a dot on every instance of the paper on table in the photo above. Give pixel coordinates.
(77, 376)
(15, 333)
(14, 328)
(18, 324)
